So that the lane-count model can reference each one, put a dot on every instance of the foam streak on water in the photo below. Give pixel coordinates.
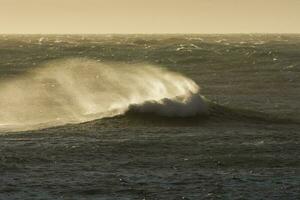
(79, 90)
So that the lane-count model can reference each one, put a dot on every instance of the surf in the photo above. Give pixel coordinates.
(78, 90)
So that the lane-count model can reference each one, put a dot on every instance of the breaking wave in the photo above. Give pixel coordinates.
(80, 90)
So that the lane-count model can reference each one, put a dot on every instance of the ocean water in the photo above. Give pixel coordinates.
(150, 116)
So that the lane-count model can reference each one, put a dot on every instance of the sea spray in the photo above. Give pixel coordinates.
(79, 90)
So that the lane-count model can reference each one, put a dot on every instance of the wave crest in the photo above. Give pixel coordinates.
(182, 106)
(79, 90)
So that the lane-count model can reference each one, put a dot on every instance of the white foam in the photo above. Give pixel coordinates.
(182, 106)
(79, 90)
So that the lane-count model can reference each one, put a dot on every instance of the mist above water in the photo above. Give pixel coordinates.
(79, 90)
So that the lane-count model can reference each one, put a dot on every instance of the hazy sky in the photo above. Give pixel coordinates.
(149, 16)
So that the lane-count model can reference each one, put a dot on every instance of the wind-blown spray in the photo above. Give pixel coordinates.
(79, 90)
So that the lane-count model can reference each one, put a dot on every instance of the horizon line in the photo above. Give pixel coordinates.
(163, 33)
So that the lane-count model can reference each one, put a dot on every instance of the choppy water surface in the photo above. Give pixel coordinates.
(149, 116)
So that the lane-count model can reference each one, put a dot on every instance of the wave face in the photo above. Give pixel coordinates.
(80, 90)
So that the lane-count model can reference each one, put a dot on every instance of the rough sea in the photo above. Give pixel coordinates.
(150, 117)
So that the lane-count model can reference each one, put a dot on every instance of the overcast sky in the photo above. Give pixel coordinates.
(149, 16)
